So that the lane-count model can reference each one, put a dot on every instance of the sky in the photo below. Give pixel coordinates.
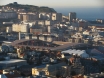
(58, 3)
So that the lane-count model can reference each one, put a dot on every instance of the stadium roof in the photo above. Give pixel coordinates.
(67, 46)
(23, 40)
(62, 47)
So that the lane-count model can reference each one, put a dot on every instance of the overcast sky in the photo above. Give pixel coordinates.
(58, 3)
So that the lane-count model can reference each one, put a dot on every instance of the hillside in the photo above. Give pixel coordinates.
(30, 8)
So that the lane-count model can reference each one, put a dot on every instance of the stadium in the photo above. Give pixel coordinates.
(35, 43)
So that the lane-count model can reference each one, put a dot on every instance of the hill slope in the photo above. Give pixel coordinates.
(31, 8)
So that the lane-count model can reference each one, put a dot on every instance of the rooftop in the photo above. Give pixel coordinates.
(11, 61)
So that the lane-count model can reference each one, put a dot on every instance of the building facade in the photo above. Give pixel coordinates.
(20, 28)
(8, 15)
(56, 16)
(28, 17)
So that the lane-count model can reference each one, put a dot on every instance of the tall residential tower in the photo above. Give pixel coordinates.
(72, 15)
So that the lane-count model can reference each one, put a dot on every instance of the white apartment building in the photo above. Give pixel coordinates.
(16, 27)
(20, 27)
(25, 28)
(47, 22)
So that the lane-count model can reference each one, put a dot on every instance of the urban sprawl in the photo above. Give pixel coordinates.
(49, 45)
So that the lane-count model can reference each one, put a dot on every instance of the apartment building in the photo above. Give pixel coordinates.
(50, 70)
(42, 16)
(48, 22)
(16, 27)
(20, 17)
(20, 27)
(72, 16)
(28, 16)
(36, 31)
(56, 16)
(8, 14)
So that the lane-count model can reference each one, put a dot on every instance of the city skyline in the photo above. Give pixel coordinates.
(55, 4)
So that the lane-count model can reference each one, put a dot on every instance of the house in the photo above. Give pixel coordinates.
(89, 41)
(76, 67)
(37, 70)
(71, 40)
(26, 69)
(21, 54)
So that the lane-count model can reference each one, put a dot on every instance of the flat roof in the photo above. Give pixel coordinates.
(11, 61)
(41, 66)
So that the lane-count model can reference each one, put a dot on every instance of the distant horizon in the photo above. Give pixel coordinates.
(75, 7)
(58, 3)
(87, 12)
(83, 13)
(61, 6)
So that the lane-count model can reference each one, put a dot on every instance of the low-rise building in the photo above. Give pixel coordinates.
(12, 63)
(51, 70)
(76, 67)
(11, 75)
